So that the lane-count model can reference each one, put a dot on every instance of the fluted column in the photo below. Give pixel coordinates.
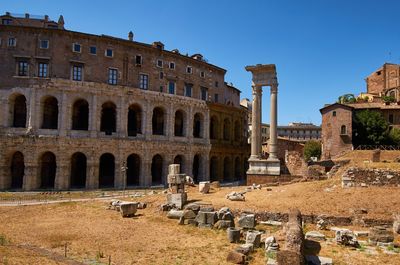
(256, 123)
(273, 135)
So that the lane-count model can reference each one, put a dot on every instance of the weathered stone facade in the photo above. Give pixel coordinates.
(86, 111)
(361, 177)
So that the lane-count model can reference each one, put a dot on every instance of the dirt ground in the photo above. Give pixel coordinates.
(93, 234)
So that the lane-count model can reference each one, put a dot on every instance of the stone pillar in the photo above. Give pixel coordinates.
(92, 174)
(63, 115)
(145, 170)
(61, 181)
(256, 123)
(273, 134)
(32, 111)
(93, 117)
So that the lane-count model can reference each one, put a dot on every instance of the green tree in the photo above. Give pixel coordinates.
(370, 128)
(394, 136)
(346, 98)
(312, 148)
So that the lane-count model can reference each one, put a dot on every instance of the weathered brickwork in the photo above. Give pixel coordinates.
(336, 130)
(114, 116)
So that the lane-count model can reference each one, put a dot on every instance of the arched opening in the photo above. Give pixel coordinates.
(228, 169)
(213, 128)
(108, 123)
(134, 120)
(392, 94)
(343, 129)
(48, 167)
(80, 115)
(50, 113)
(133, 171)
(214, 169)
(238, 172)
(106, 171)
(196, 168)
(18, 107)
(17, 170)
(179, 160)
(197, 126)
(227, 130)
(179, 121)
(156, 170)
(158, 121)
(237, 131)
(78, 170)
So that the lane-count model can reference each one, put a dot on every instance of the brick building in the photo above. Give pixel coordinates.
(93, 111)
(382, 95)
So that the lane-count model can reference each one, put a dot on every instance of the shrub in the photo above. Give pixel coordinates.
(312, 149)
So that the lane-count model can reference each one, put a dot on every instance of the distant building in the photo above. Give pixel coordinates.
(295, 131)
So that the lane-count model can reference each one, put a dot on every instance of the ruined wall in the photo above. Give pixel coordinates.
(364, 177)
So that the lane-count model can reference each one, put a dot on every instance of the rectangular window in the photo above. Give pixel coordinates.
(12, 42)
(171, 87)
(216, 98)
(172, 65)
(143, 81)
(189, 70)
(6, 21)
(22, 68)
(112, 76)
(93, 50)
(43, 70)
(202, 74)
(159, 63)
(216, 83)
(204, 93)
(138, 60)
(44, 44)
(109, 53)
(188, 90)
(76, 47)
(161, 75)
(77, 72)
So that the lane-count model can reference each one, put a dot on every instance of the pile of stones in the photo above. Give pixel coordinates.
(236, 196)
(127, 209)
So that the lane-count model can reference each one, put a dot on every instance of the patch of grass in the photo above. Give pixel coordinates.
(270, 254)
(393, 249)
(3, 240)
(362, 247)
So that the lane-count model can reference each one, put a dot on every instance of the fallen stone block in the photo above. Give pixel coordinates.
(175, 214)
(346, 237)
(253, 237)
(204, 187)
(206, 209)
(245, 249)
(188, 214)
(223, 224)
(286, 257)
(269, 241)
(396, 224)
(223, 211)
(192, 206)
(317, 260)
(177, 199)
(236, 258)
(315, 235)
(271, 222)
(361, 233)
(247, 221)
(142, 205)
(233, 234)
(236, 196)
(128, 209)
(380, 234)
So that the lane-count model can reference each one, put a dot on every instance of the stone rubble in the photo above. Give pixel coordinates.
(247, 221)
(204, 187)
(236, 196)
(315, 235)
(346, 237)
(380, 235)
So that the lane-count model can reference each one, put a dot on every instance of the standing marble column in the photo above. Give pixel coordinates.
(273, 138)
(256, 123)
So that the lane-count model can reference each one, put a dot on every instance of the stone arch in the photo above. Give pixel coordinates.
(179, 159)
(198, 125)
(18, 111)
(108, 123)
(134, 120)
(157, 170)
(228, 169)
(158, 121)
(48, 169)
(196, 168)
(227, 129)
(237, 130)
(179, 123)
(133, 171)
(49, 113)
(17, 170)
(80, 115)
(214, 128)
(238, 169)
(214, 168)
(106, 171)
(78, 170)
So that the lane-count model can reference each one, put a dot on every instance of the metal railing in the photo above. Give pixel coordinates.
(379, 147)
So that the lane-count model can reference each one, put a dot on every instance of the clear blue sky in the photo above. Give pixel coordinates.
(322, 49)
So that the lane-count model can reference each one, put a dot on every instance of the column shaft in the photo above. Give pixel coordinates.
(256, 123)
(273, 138)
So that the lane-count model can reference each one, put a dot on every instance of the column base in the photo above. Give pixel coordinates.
(264, 167)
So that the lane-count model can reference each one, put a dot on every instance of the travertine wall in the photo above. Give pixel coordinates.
(63, 142)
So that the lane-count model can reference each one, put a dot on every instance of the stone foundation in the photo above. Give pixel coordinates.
(270, 179)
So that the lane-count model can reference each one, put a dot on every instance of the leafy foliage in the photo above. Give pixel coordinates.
(388, 99)
(370, 128)
(394, 136)
(346, 98)
(312, 149)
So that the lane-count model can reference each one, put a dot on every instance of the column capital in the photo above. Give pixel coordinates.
(257, 90)
(274, 88)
